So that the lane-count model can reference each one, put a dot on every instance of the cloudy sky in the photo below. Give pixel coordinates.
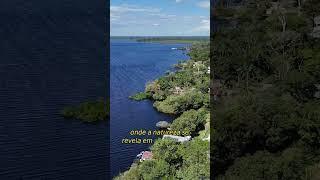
(159, 17)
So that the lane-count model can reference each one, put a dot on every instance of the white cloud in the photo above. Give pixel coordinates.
(130, 19)
(164, 16)
(203, 27)
(126, 14)
(127, 8)
(204, 4)
(114, 17)
(178, 1)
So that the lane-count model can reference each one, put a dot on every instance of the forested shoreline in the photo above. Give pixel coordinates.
(266, 61)
(165, 39)
(265, 92)
(185, 94)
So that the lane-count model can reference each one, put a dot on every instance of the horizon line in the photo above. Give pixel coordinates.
(159, 36)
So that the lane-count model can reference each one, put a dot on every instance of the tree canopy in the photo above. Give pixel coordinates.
(266, 55)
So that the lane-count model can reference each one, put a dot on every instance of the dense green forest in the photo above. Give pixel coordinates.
(184, 93)
(265, 57)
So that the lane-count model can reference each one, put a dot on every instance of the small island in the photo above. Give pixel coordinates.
(92, 111)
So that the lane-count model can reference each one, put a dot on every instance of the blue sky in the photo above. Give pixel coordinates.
(159, 17)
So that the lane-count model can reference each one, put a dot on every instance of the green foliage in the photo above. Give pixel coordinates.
(203, 84)
(172, 39)
(190, 121)
(140, 96)
(132, 174)
(155, 169)
(311, 64)
(185, 93)
(253, 122)
(310, 125)
(313, 172)
(270, 133)
(196, 161)
(173, 160)
(312, 9)
(88, 111)
(264, 165)
(174, 104)
(297, 23)
(200, 52)
(166, 150)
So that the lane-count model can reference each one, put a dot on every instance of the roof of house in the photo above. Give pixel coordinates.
(146, 155)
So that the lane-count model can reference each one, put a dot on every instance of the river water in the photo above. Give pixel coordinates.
(132, 65)
(51, 56)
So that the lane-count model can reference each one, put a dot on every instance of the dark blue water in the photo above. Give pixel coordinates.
(52, 54)
(133, 64)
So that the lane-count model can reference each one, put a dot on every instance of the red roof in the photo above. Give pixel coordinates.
(146, 155)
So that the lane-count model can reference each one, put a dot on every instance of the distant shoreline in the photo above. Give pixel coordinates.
(165, 39)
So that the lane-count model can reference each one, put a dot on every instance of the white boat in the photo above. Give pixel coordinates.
(139, 155)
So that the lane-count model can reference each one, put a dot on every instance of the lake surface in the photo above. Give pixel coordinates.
(132, 65)
(51, 55)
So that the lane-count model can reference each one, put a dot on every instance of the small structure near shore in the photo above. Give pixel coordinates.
(145, 155)
(177, 138)
(163, 124)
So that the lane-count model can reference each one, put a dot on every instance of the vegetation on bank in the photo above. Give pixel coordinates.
(88, 111)
(173, 160)
(140, 96)
(184, 93)
(266, 57)
(166, 39)
(173, 39)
